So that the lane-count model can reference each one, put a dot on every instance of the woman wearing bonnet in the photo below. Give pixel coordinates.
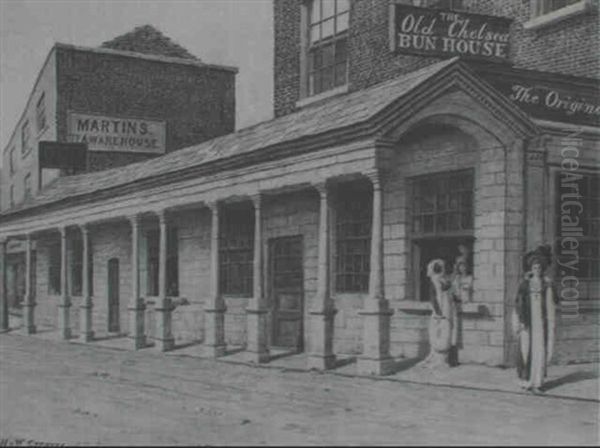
(534, 321)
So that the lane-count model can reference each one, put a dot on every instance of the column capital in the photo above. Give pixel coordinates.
(63, 231)
(256, 199)
(321, 187)
(375, 177)
(134, 218)
(213, 205)
(84, 228)
(162, 216)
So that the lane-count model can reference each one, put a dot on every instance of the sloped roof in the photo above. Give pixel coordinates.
(148, 40)
(347, 110)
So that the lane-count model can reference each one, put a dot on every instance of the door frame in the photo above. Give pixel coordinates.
(270, 290)
(109, 292)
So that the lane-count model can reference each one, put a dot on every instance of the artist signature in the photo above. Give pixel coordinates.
(26, 442)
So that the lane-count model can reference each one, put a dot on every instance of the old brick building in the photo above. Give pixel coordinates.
(102, 96)
(402, 130)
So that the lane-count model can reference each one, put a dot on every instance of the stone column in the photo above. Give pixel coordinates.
(535, 193)
(163, 338)
(375, 358)
(86, 334)
(4, 317)
(29, 302)
(214, 312)
(256, 313)
(64, 307)
(323, 312)
(137, 306)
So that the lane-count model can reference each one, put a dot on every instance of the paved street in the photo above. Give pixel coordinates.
(68, 393)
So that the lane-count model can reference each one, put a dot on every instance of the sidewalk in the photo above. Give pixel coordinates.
(575, 381)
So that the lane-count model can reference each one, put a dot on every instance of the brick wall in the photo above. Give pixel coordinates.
(198, 103)
(568, 47)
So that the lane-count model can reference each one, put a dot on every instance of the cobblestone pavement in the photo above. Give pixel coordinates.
(67, 393)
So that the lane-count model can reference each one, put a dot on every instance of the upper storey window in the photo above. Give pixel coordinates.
(40, 114)
(327, 51)
(547, 12)
(25, 138)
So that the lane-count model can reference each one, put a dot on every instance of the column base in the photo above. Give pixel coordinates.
(256, 357)
(136, 321)
(29, 316)
(31, 329)
(321, 356)
(214, 323)
(85, 310)
(213, 351)
(164, 345)
(320, 362)
(86, 337)
(256, 350)
(370, 366)
(64, 319)
(376, 359)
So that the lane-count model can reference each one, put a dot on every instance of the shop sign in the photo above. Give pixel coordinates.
(436, 32)
(102, 133)
(548, 99)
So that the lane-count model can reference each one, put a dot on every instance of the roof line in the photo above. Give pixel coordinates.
(35, 83)
(147, 56)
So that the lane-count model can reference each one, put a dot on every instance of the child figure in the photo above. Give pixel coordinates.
(462, 284)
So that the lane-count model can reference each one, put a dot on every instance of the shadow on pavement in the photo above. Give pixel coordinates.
(571, 378)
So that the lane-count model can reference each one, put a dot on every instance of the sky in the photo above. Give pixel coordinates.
(231, 32)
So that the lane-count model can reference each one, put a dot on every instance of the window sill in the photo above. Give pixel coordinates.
(322, 96)
(558, 15)
(411, 306)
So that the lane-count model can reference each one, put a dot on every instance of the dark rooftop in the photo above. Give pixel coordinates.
(148, 40)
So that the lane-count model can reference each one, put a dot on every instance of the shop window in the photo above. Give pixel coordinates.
(25, 138)
(11, 160)
(40, 115)
(27, 185)
(327, 44)
(54, 260)
(153, 248)
(236, 251)
(441, 223)
(577, 208)
(352, 239)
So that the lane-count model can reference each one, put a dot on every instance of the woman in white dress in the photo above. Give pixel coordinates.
(534, 320)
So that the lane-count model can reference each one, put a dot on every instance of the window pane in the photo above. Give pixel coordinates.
(315, 13)
(314, 33)
(328, 8)
(342, 22)
(343, 5)
(328, 55)
(340, 74)
(316, 59)
(327, 80)
(327, 28)
(340, 51)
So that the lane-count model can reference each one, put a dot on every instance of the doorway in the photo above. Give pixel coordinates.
(113, 295)
(286, 292)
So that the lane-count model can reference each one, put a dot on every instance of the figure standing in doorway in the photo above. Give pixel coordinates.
(534, 321)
